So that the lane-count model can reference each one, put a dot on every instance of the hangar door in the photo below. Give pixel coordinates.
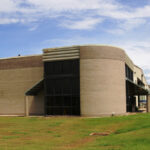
(62, 87)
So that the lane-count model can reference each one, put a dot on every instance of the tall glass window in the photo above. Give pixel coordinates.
(62, 87)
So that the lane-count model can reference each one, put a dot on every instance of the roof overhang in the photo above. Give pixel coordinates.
(35, 89)
(136, 89)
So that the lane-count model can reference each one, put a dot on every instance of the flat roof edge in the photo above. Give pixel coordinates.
(76, 46)
(17, 57)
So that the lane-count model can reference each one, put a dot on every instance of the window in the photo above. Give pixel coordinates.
(62, 84)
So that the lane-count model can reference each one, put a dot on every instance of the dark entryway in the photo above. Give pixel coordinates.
(62, 87)
(133, 90)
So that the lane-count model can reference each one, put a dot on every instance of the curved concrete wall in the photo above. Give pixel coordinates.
(102, 80)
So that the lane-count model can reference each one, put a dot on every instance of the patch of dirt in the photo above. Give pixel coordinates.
(100, 133)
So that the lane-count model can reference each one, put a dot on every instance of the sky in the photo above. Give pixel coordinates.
(28, 26)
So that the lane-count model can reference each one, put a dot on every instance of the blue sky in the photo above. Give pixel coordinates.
(28, 26)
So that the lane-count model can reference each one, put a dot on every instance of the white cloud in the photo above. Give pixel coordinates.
(132, 23)
(7, 21)
(75, 40)
(126, 12)
(148, 75)
(33, 28)
(127, 25)
(117, 31)
(63, 5)
(72, 5)
(87, 23)
(31, 10)
(7, 6)
(139, 52)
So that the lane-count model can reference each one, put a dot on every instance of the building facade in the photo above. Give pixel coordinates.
(90, 80)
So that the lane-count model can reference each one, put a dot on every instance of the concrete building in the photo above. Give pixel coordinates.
(90, 80)
(140, 80)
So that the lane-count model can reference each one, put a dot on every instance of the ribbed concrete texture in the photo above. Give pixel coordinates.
(36, 104)
(148, 103)
(64, 53)
(15, 81)
(102, 81)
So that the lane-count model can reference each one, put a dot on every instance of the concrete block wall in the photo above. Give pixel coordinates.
(17, 75)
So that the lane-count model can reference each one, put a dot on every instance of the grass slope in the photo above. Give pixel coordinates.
(72, 133)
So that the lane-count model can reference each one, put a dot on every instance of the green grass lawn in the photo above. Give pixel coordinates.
(72, 133)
